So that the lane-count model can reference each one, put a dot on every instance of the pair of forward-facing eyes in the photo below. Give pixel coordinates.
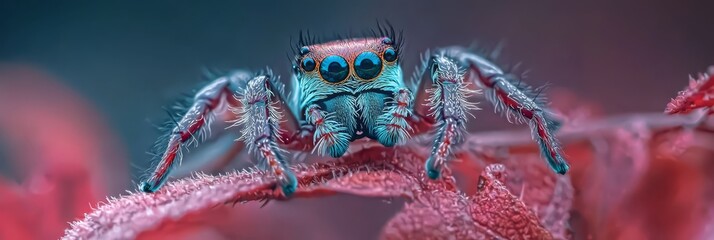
(334, 68)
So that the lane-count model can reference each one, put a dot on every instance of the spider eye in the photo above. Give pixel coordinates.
(390, 55)
(334, 69)
(308, 64)
(304, 50)
(368, 65)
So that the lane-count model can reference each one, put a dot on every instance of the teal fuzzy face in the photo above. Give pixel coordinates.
(351, 79)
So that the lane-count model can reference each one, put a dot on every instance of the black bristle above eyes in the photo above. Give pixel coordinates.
(306, 39)
(382, 30)
(387, 30)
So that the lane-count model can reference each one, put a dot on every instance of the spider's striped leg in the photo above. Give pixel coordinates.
(212, 99)
(209, 100)
(260, 119)
(330, 136)
(446, 96)
(392, 126)
(517, 100)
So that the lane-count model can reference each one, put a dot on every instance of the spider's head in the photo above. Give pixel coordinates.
(346, 67)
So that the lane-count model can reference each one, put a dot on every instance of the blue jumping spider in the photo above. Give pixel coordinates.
(348, 89)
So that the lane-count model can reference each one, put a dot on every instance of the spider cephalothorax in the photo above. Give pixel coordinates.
(344, 86)
(352, 88)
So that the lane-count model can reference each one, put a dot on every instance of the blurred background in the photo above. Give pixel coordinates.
(105, 69)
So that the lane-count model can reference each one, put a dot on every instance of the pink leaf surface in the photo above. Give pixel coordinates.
(548, 195)
(372, 172)
(492, 213)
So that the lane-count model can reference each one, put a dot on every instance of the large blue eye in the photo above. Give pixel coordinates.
(368, 65)
(334, 69)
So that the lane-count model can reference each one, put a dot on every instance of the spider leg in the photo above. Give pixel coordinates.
(259, 120)
(215, 154)
(392, 126)
(518, 101)
(209, 100)
(204, 103)
(330, 136)
(445, 94)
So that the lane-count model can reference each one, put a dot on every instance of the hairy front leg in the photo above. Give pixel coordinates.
(392, 126)
(330, 137)
(209, 100)
(259, 120)
(446, 95)
(517, 100)
(214, 97)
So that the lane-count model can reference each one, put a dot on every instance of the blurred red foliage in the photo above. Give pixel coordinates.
(641, 176)
(60, 151)
(698, 94)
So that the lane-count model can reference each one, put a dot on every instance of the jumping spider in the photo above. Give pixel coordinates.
(347, 89)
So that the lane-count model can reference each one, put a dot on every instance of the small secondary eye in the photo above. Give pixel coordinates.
(368, 65)
(308, 64)
(334, 69)
(390, 55)
(304, 50)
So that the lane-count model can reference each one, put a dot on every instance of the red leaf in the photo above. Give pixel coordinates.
(373, 172)
(492, 213)
(696, 95)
